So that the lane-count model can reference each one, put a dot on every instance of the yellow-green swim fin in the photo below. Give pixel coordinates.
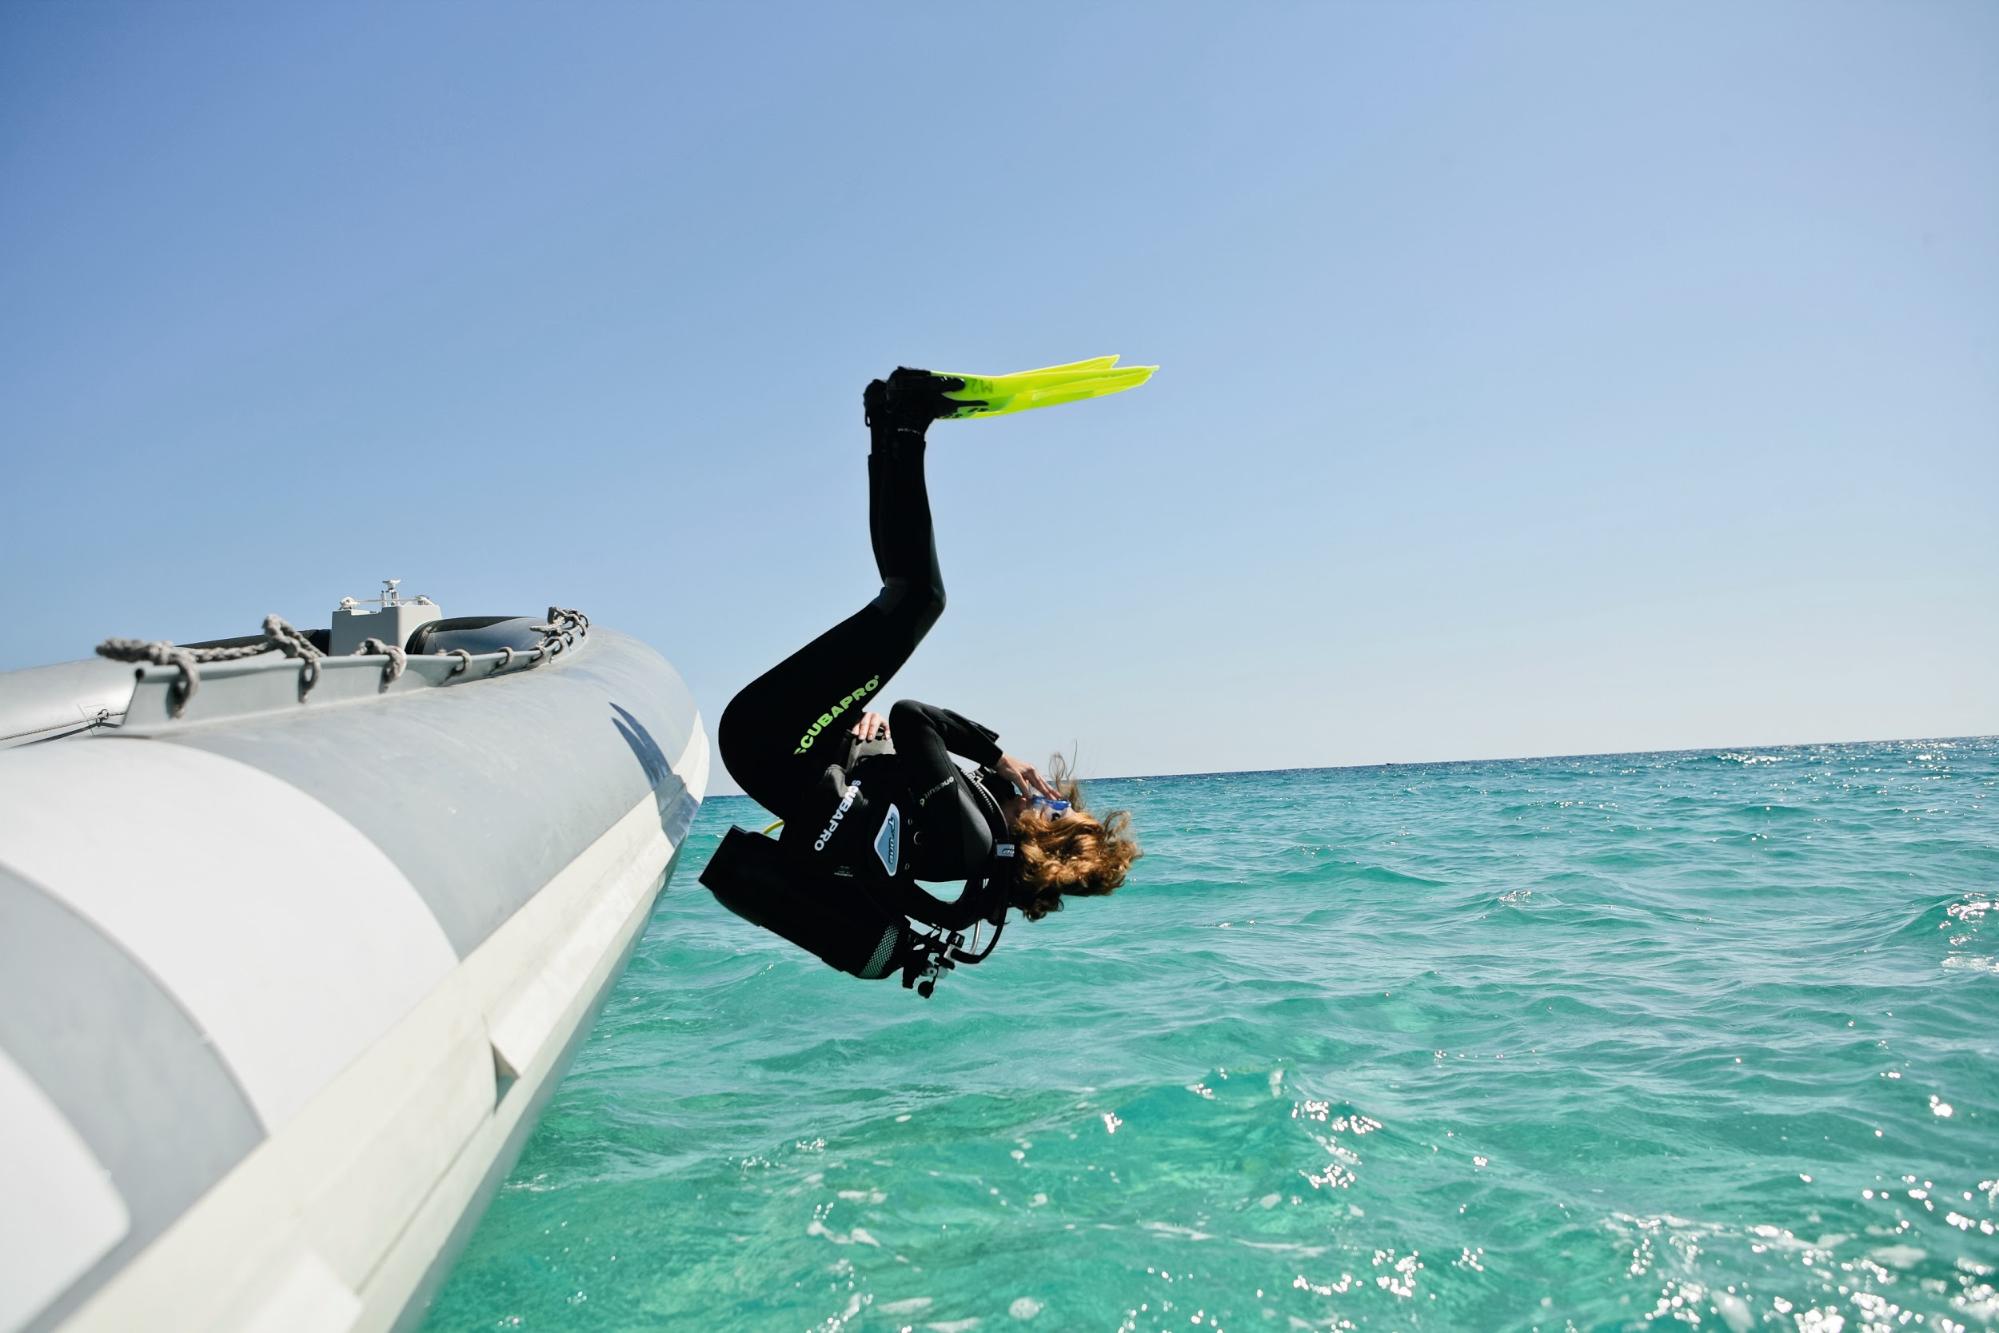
(1007, 383)
(998, 395)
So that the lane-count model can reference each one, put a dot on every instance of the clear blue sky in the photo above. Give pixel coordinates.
(1538, 378)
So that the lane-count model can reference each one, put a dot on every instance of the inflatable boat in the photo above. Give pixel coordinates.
(297, 934)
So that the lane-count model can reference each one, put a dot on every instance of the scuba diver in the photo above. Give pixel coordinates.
(870, 805)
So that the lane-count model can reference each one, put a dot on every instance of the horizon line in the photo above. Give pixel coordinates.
(1509, 759)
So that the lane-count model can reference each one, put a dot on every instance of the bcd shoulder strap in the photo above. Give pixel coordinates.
(994, 888)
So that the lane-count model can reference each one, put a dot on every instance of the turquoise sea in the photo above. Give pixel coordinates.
(1705, 1038)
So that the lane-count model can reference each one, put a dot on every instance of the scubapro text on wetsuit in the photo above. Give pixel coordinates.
(846, 804)
(826, 718)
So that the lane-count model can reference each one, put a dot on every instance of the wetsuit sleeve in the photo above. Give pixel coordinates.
(925, 739)
(952, 839)
(914, 724)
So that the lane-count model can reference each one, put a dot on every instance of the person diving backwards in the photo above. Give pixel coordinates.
(870, 806)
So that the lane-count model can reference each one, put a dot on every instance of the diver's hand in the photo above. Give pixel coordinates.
(870, 726)
(1024, 778)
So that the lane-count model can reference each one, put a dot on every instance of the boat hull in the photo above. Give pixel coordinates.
(286, 990)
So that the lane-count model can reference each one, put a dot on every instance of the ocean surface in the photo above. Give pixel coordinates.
(1706, 1039)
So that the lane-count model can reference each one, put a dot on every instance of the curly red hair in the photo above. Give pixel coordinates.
(1073, 853)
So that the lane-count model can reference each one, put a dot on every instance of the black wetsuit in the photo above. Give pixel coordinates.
(786, 735)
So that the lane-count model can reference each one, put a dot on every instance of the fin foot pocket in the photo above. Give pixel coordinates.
(910, 399)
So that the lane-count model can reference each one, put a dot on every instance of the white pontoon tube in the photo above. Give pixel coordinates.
(295, 942)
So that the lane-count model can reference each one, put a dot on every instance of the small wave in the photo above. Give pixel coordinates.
(1966, 919)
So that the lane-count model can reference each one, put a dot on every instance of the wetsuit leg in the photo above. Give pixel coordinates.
(782, 729)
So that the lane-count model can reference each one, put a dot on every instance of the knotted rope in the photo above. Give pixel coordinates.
(278, 636)
(560, 631)
(397, 657)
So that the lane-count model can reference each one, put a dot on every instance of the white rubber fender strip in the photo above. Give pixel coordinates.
(692, 766)
(624, 867)
(308, 1299)
(290, 938)
(59, 1213)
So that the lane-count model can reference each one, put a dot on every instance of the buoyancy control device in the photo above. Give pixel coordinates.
(832, 915)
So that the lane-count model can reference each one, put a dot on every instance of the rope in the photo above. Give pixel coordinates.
(559, 632)
(164, 652)
(294, 644)
(288, 640)
(562, 629)
(562, 623)
(397, 657)
(278, 636)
